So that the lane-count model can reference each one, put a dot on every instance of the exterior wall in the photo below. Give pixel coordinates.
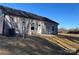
(40, 27)
(13, 22)
(17, 24)
(47, 28)
(1, 21)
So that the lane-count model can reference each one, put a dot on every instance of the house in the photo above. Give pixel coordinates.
(14, 21)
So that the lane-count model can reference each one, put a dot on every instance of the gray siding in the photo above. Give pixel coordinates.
(1, 22)
(40, 27)
(47, 28)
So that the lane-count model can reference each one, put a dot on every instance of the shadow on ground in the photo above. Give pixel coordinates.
(31, 45)
(74, 39)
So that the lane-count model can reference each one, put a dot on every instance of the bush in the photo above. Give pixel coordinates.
(74, 31)
(69, 31)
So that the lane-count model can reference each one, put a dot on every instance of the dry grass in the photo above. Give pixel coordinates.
(70, 44)
(30, 45)
(37, 45)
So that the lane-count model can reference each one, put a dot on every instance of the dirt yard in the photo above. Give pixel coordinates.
(31, 45)
(73, 39)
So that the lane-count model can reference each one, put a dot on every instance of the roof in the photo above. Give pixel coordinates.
(15, 12)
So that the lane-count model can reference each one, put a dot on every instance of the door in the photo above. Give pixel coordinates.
(39, 29)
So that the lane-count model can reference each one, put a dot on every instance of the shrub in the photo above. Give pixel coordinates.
(74, 31)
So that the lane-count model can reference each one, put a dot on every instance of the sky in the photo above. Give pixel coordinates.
(66, 14)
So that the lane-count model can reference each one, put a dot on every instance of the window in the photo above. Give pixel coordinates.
(32, 26)
(52, 28)
(38, 25)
